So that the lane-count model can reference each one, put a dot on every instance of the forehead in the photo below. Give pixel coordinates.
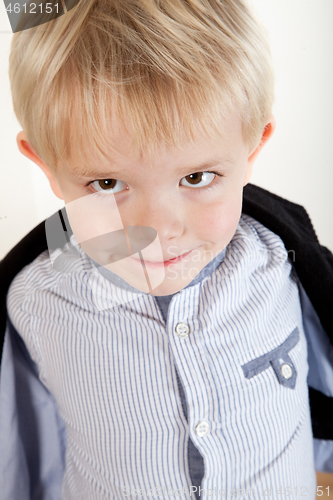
(122, 155)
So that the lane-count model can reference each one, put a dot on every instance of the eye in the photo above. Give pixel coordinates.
(194, 180)
(105, 185)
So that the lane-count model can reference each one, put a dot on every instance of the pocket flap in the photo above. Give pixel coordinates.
(279, 360)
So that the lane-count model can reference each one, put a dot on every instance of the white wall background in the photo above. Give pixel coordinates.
(297, 163)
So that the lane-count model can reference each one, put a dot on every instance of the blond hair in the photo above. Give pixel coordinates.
(166, 67)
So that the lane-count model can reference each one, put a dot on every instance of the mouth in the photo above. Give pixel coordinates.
(165, 263)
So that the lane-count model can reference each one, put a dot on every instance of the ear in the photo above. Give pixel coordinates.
(266, 135)
(27, 150)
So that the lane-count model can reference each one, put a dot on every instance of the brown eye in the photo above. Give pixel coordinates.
(107, 186)
(107, 183)
(195, 180)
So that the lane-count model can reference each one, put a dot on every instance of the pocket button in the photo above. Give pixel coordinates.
(286, 371)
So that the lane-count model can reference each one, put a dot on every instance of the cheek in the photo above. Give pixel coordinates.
(218, 222)
(95, 219)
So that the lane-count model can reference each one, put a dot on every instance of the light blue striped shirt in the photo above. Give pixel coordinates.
(234, 340)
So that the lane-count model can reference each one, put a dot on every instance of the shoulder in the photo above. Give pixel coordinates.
(21, 300)
(312, 261)
(51, 277)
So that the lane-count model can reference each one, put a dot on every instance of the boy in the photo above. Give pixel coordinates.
(173, 360)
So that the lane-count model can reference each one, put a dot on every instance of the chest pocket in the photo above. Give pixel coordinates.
(279, 360)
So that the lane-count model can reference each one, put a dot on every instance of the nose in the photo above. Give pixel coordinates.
(161, 213)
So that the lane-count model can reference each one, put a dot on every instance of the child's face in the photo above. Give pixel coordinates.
(197, 214)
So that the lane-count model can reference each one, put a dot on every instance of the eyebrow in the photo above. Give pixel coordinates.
(224, 162)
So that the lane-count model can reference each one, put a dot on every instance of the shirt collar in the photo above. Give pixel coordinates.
(117, 281)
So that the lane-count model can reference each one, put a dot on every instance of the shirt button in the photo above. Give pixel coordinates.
(286, 370)
(182, 330)
(202, 429)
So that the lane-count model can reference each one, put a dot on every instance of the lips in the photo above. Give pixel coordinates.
(166, 262)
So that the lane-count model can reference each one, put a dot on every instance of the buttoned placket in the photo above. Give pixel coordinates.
(183, 329)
